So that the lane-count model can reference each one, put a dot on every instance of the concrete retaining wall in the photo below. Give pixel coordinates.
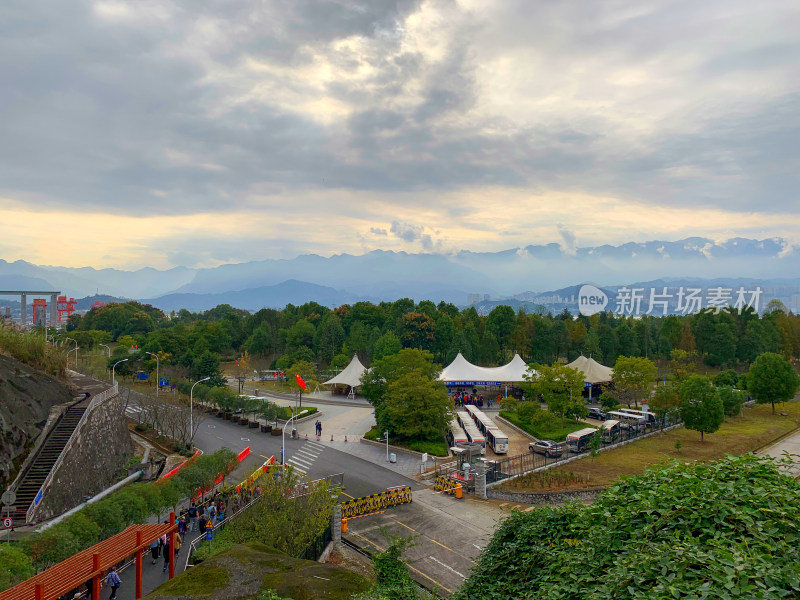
(92, 461)
(510, 425)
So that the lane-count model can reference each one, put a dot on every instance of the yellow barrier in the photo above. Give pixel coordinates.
(448, 486)
(376, 502)
(255, 475)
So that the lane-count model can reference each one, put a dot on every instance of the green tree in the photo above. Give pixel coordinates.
(701, 406)
(632, 377)
(417, 406)
(731, 400)
(208, 366)
(772, 379)
(561, 387)
(387, 344)
(329, 337)
(664, 402)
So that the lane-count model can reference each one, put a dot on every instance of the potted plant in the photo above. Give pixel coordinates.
(266, 428)
(269, 411)
(276, 431)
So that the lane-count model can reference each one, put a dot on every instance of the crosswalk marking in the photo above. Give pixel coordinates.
(315, 445)
(301, 461)
(308, 454)
(297, 467)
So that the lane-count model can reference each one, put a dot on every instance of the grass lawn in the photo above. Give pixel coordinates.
(432, 447)
(738, 435)
(557, 431)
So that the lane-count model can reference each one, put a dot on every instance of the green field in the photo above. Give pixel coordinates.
(557, 430)
(756, 428)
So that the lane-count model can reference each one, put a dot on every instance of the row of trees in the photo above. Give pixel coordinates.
(324, 336)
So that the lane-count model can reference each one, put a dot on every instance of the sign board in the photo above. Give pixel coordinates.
(424, 457)
(38, 498)
(587, 384)
(209, 532)
(9, 497)
(7, 523)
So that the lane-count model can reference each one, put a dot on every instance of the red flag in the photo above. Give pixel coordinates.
(300, 381)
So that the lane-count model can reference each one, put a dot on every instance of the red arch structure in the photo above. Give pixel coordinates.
(92, 564)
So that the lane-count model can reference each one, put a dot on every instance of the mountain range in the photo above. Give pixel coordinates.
(388, 275)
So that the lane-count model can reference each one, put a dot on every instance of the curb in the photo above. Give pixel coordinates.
(516, 428)
(399, 450)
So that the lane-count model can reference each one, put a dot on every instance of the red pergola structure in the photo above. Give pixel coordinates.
(92, 564)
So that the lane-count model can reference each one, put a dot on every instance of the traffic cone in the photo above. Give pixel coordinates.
(306, 437)
(345, 439)
(331, 437)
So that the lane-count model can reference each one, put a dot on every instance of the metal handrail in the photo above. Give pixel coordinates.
(96, 401)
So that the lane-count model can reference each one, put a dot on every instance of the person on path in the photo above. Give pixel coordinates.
(178, 544)
(202, 523)
(155, 548)
(165, 544)
(192, 512)
(182, 527)
(113, 581)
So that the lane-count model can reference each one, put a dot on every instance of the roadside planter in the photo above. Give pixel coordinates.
(253, 424)
(266, 428)
(276, 431)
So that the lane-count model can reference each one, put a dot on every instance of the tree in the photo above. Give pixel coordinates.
(664, 402)
(17, 566)
(208, 366)
(772, 379)
(633, 377)
(417, 406)
(731, 400)
(701, 406)
(561, 387)
(387, 344)
(329, 337)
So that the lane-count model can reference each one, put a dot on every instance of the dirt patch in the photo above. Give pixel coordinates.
(347, 558)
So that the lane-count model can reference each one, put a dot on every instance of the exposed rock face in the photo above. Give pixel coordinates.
(26, 396)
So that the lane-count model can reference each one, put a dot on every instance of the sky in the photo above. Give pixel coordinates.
(201, 132)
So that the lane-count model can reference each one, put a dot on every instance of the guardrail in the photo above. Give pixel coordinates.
(96, 400)
(374, 502)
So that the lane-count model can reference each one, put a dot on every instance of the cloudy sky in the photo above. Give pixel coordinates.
(199, 132)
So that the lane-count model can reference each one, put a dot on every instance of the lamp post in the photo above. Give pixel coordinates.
(283, 436)
(113, 380)
(191, 416)
(76, 351)
(107, 347)
(386, 435)
(158, 381)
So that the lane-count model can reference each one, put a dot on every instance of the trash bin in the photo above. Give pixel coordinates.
(294, 433)
(393, 457)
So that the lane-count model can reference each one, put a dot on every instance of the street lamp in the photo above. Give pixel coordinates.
(386, 435)
(76, 352)
(191, 416)
(158, 381)
(107, 348)
(114, 381)
(283, 436)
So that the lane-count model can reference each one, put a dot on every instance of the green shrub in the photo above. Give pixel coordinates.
(726, 529)
(17, 566)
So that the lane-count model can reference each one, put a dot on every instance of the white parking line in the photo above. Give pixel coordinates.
(449, 568)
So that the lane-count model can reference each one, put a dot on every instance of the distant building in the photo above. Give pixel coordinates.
(474, 298)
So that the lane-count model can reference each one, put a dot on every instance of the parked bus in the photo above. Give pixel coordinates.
(455, 434)
(628, 420)
(611, 431)
(473, 433)
(578, 441)
(651, 417)
(497, 440)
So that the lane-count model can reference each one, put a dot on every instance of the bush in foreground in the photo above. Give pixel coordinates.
(726, 529)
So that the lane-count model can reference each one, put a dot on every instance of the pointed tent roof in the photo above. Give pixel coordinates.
(593, 371)
(351, 375)
(463, 370)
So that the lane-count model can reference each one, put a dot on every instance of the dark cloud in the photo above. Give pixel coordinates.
(155, 112)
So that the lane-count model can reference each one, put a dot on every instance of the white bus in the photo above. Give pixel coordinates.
(455, 434)
(578, 441)
(611, 430)
(628, 420)
(473, 433)
(651, 417)
(497, 440)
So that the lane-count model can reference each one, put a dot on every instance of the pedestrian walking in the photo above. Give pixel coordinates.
(165, 544)
(113, 581)
(178, 544)
(182, 527)
(155, 548)
(202, 522)
(192, 512)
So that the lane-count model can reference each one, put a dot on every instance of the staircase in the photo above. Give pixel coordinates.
(44, 460)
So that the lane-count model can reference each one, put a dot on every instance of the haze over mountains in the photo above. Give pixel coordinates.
(386, 275)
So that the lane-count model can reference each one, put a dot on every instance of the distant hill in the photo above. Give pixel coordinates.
(86, 303)
(253, 299)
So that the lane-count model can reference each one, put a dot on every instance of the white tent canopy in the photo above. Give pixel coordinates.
(593, 371)
(351, 375)
(461, 371)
